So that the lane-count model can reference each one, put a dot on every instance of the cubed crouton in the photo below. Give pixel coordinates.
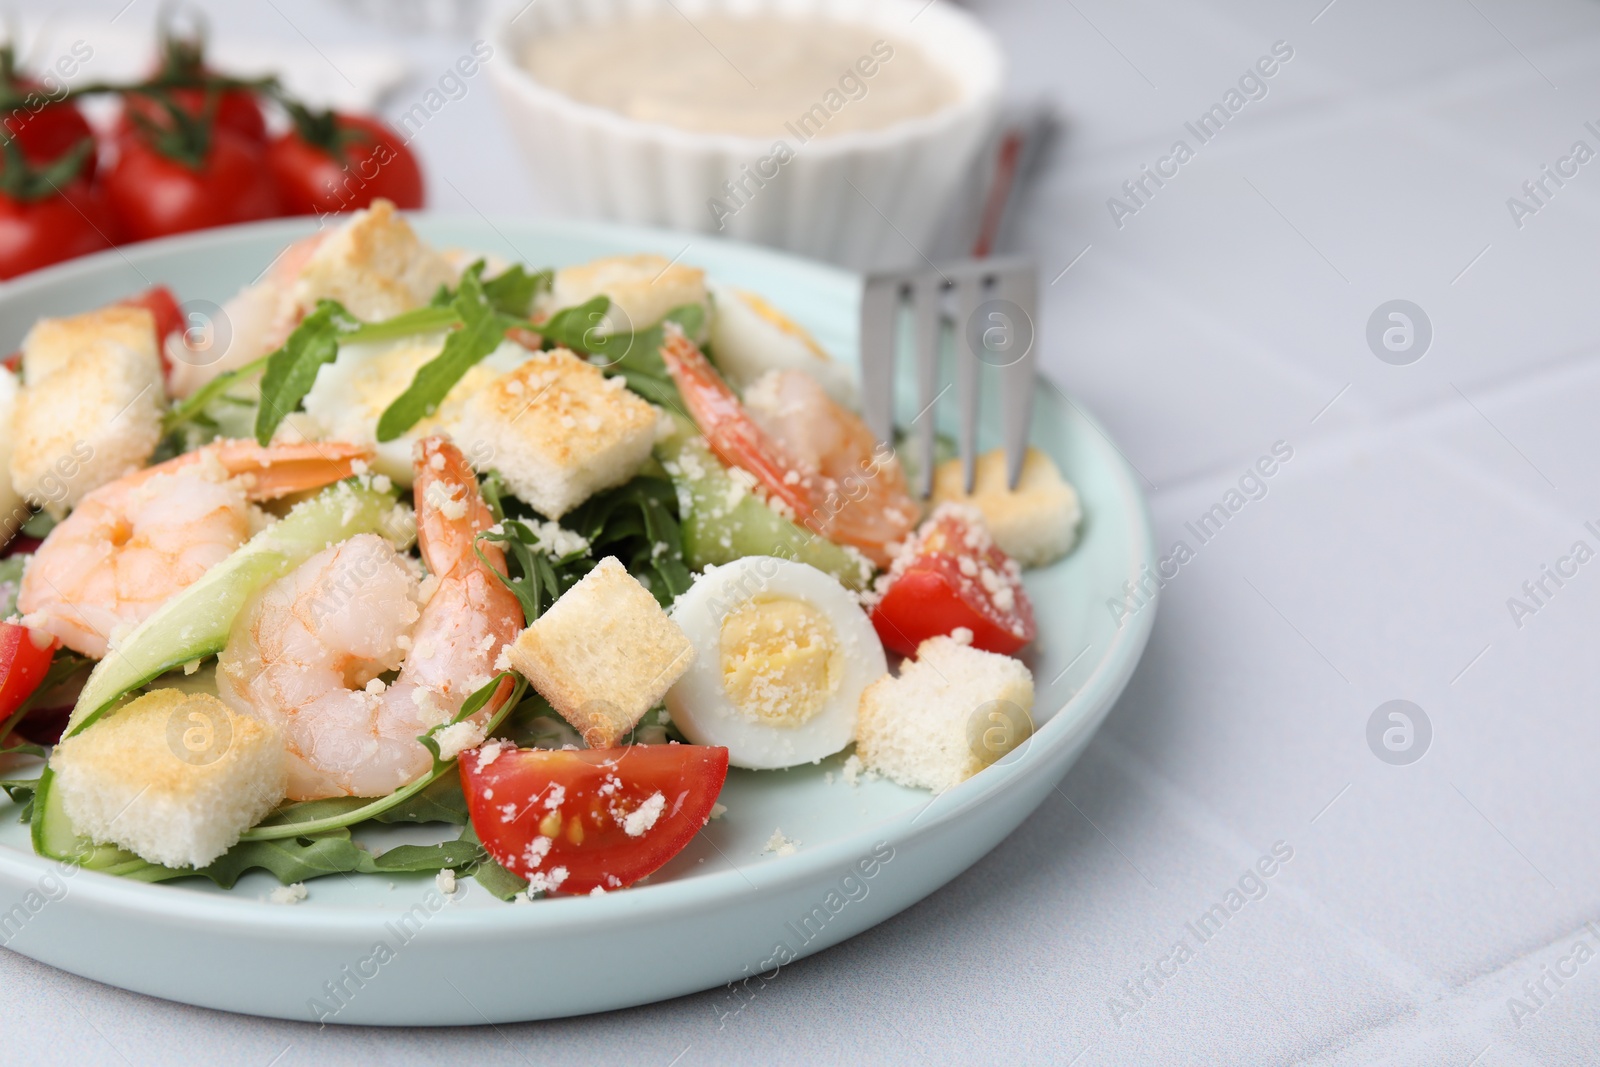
(1035, 523)
(90, 406)
(952, 711)
(375, 265)
(603, 654)
(642, 289)
(557, 430)
(173, 776)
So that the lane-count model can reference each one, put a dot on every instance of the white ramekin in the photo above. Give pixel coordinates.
(865, 199)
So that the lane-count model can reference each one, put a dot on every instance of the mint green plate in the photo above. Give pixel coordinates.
(725, 908)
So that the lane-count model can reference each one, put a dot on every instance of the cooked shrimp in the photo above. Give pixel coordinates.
(308, 654)
(814, 458)
(253, 322)
(131, 544)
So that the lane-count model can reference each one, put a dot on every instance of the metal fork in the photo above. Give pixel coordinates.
(990, 305)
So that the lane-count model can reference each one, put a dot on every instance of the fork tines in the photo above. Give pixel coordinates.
(990, 305)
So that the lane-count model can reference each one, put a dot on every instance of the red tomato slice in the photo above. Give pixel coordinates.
(23, 663)
(159, 301)
(953, 575)
(572, 821)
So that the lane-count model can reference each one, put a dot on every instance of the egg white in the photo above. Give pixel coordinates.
(747, 343)
(351, 394)
(699, 703)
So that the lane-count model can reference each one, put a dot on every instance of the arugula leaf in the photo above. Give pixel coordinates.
(442, 801)
(489, 874)
(20, 791)
(428, 319)
(538, 580)
(482, 329)
(637, 523)
(290, 860)
(10, 582)
(634, 356)
(512, 291)
(193, 408)
(292, 369)
(418, 858)
(575, 327)
(39, 525)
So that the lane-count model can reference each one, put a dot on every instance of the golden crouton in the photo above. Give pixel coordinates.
(642, 289)
(557, 430)
(603, 654)
(90, 405)
(1035, 523)
(173, 776)
(952, 711)
(375, 265)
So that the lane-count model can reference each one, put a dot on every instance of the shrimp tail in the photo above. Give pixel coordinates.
(451, 513)
(735, 437)
(278, 470)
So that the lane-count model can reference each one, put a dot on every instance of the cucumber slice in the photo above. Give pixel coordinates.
(722, 521)
(195, 624)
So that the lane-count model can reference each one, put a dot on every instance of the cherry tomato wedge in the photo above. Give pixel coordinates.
(159, 301)
(573, 821)
(23, 664)
(951, 574)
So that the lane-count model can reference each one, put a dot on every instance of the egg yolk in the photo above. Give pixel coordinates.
(781, 660)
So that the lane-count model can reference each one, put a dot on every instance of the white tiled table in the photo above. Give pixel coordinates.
(1227, 314)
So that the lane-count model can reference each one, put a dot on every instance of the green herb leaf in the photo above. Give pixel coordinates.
(428, 319)
(637, 523)
(419, 858)
(193, 408)
(39, 525)
(292, 369)
(20, 790)
(442, 801)
(482, 330)
(512, 291)
(575, 327)
(296, 859)
(636, 356)
(10, 582)
(489, 874)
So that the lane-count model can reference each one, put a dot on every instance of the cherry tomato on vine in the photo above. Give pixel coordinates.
(48, 213)
(46, 128)
(195, 179)
(330, 161)
(183, 57)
